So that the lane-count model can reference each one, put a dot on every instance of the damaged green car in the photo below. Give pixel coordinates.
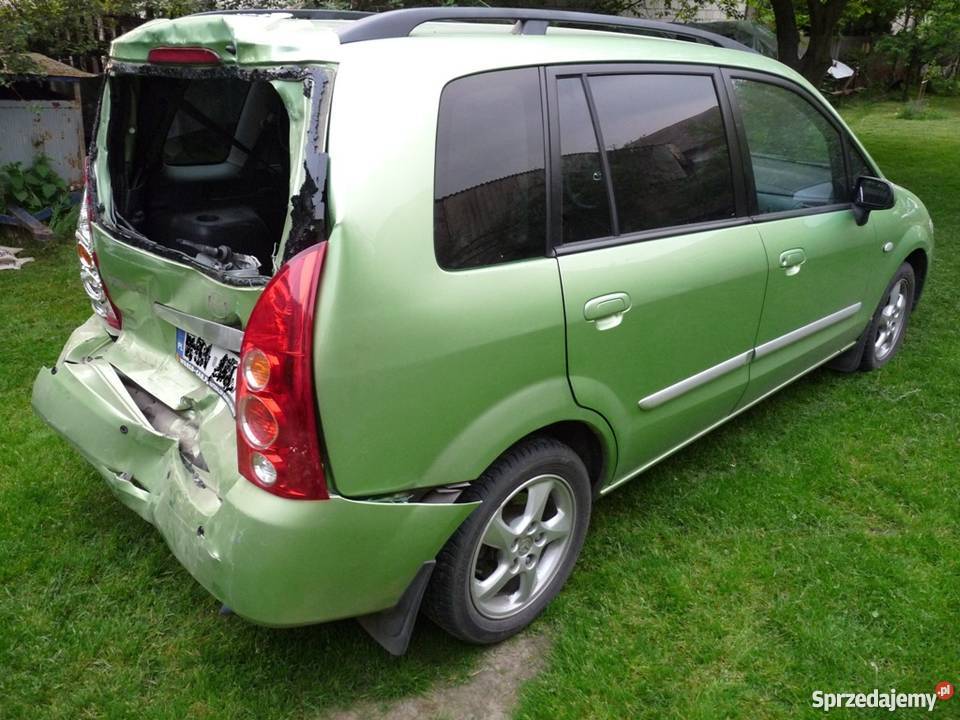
(382, 304)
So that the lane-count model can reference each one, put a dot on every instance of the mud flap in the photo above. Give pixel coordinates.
(849, 361)
(392, 628)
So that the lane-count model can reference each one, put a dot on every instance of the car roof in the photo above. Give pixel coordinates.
(464, 47)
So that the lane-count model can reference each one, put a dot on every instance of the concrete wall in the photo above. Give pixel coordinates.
(52, 127)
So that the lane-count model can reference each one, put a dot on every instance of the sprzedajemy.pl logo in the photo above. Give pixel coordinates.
(891, 701)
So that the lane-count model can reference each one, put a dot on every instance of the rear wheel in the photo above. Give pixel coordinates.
(889, 324)
(502, 567)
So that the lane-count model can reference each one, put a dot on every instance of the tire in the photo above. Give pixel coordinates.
(885, 333)
(525, 560)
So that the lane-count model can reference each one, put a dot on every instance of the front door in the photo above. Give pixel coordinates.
(662, 273)
(818, 258)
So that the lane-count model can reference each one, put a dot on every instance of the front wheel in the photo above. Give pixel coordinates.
(502, 567)
(889, 324)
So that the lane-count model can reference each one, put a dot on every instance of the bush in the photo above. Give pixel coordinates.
(33, 188)
(944, 87)
(919, 110)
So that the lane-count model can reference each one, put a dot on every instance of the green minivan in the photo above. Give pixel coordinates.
(383, 303)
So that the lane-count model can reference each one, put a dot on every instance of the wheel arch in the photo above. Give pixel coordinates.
(919, 261)
(596, 449)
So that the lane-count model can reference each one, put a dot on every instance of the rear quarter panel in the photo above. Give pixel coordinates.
(423, 376)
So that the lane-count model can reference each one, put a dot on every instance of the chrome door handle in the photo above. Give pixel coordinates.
(792, 260)
(607, 310)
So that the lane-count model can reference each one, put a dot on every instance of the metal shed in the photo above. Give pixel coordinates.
(40, 113)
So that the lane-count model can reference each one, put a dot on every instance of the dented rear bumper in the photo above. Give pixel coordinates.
(274, 561)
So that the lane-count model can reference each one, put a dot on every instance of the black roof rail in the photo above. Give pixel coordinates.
(299, 14)
(529, 21)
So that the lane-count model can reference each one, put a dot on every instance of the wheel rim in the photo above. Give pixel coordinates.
(891, 321)
(523, 547)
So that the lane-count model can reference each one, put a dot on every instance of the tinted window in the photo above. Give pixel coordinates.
(796, 153)
(206, 119)
(585, 211)
(858, 164)
(667, 149)
(490, 186)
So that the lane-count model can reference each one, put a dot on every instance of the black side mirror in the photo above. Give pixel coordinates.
(870, 193)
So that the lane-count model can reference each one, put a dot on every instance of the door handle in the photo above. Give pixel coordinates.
(607, 310)
(792, 260)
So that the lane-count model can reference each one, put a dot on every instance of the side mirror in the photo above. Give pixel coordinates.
(871, 193)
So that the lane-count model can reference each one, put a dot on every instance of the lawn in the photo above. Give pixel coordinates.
(810, 544)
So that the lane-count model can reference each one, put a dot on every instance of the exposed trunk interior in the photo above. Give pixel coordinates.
(201, 165)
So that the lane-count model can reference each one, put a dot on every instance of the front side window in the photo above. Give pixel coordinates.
(858, 164)
(490, 184)
(795, 152)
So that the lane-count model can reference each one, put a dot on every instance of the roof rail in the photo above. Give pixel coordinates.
(529, 21)
(299, 14)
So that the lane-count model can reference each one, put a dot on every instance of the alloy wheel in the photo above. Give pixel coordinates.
(891, 320)
(522, 546)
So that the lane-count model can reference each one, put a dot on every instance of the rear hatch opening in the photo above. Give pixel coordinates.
(204, 165)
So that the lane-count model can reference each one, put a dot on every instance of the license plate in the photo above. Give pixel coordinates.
(214, 365)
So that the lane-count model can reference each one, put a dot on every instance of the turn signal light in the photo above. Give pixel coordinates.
(90, 276)
(278, 425)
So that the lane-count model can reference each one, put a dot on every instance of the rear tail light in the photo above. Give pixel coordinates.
(278, 433)
(93, 284)
(183, 56)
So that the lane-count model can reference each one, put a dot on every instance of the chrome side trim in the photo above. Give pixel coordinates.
(214, 333)
(720, 422)
(712, 373)
(687, 384)
(806, 331)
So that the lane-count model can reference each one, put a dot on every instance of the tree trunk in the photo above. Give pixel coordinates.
(788, 35)
(824, 18)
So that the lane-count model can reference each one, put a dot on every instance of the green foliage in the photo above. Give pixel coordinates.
(61, 28)
(930, 35)
(943, 86)
(33, 188)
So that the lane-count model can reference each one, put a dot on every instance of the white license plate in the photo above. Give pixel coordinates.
(214, 365)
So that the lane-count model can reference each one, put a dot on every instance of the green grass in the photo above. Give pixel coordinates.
(810, 544)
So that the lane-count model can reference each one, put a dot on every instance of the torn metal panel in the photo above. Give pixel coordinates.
(266, 557)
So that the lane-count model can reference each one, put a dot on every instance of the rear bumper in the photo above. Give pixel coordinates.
(271, 560)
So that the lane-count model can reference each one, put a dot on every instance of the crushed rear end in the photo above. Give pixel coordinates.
(206, 179)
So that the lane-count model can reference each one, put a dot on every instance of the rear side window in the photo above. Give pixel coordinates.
(665, 145)
(584, 207)
(796, 153)
(490, 183)
(208, 112)
(667, 149)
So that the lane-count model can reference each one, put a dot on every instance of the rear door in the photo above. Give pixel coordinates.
(663, 274)
(818, 258)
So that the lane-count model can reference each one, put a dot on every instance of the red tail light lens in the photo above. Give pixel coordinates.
(183, 56)
(90, 274)
(278, 433)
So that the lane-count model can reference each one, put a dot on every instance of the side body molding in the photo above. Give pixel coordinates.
(712, 373)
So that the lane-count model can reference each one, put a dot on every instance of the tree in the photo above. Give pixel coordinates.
(929, 30)
(823, 19)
